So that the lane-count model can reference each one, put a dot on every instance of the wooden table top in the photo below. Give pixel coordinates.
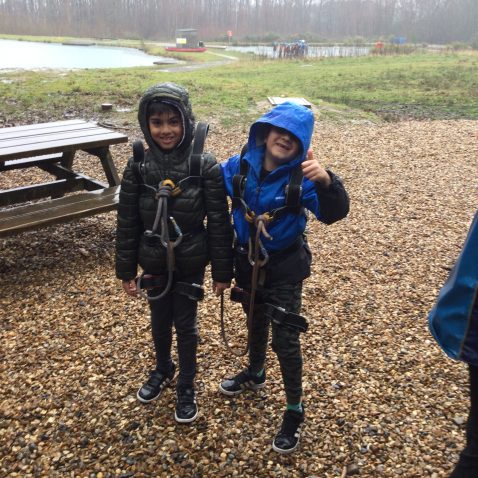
(47, 138)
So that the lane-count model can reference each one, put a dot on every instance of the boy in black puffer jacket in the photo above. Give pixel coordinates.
(169, 240)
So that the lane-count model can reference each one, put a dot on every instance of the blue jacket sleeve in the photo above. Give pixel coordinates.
(229, 168)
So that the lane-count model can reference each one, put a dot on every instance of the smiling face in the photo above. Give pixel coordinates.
(281, 147)
(166, 129)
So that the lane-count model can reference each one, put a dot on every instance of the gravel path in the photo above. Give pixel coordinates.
(382, 400)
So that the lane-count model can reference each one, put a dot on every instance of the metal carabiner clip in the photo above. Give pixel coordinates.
(178, 231)
(264, 253)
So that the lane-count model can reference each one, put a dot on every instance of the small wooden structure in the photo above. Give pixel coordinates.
(277, 100)
(187, 41)
(51, 147)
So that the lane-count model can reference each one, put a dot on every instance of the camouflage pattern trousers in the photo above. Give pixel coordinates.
(285, 339)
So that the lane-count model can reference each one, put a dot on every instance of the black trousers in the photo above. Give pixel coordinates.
(176, 310)
(467, 466)
(472, 424)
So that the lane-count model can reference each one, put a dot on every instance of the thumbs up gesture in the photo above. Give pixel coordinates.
(314, 171)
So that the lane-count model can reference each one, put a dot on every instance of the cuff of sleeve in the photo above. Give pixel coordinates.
(319, 187)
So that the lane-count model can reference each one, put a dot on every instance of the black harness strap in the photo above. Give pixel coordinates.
(191, 291)
(282, 317)
(150, 281)
(239, 181)
(138, 160)
(195, 161)
(293, 190)
(200, 135)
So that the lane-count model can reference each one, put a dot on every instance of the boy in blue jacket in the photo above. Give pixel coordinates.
(277, 166)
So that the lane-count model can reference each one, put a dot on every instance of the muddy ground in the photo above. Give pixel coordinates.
(382, 399)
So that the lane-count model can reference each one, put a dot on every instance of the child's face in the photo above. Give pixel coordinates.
(281, 146)
(166, 129)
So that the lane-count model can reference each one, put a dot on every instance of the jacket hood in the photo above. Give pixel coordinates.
(293, 117)
(174, 95)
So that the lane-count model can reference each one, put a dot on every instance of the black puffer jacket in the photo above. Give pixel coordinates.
(137, 204)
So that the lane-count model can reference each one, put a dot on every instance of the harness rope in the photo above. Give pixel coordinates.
(165, 190)
(260, 223)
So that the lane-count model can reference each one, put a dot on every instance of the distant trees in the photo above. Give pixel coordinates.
(418, 20)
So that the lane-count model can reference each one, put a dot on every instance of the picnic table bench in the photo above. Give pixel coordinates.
(52, 147)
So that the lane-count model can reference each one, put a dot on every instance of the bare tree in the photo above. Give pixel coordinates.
(419, 20)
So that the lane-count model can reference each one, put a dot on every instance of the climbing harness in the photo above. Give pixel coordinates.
(293, 192)
(164, 192)
(257, 253)
(159, 233)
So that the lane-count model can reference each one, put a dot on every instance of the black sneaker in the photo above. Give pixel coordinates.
(186, 407)
(287, 440)
(244, 380)
(152, 389)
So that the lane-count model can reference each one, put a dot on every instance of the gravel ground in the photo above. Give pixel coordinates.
(382, 400)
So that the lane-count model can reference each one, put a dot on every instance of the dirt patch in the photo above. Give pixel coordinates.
(382, 400)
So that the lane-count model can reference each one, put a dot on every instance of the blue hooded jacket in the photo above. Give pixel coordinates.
(270, 193)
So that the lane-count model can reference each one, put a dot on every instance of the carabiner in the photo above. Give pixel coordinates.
(178, 231)
(262, 262)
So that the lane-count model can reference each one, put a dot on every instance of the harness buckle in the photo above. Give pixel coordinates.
(298, 189)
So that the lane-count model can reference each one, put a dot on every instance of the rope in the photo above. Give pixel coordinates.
(165, 190)
(260, 223)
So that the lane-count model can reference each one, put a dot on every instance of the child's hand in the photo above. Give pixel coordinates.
(129, 286)
(313, 170)
(219, 287)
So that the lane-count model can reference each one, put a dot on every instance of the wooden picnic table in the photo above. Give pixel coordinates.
(52, 147)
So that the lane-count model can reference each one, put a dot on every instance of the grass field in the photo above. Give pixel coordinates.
(423, 86)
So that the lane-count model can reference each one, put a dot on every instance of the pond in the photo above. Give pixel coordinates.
(312, 51)
(34, 55)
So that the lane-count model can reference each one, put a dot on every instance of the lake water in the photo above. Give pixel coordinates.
(313, 51)
(33, 56)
